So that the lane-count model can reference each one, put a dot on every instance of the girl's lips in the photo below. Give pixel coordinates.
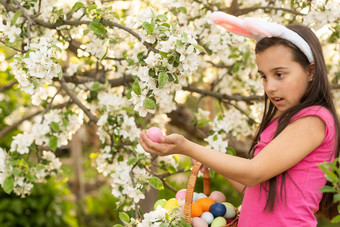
(277, 101)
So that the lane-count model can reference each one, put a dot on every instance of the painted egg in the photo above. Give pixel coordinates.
(217, 196)
(218, 222)
(230, 220)
(181, 194)
(201, 195)
(195, 197)
(217, 209)
(230, 213)
(198, 222)
(159, 202)
(155, 134)
(170, 204)
(207, 217)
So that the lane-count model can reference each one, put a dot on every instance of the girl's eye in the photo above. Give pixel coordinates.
(263, 77)
(280, 75)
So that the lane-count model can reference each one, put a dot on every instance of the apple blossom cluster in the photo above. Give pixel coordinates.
(54, 129)
(38, 66)
(9, 32)
(18, 175)
(161, 215)
(128, 181)
(3, 164)
(160, 74)
(232, 122)
(322, 13)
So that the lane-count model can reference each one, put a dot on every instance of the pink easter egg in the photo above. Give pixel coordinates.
(180, 195)
(155, 134)
(198, 222)
(217, 196)
(230, 220)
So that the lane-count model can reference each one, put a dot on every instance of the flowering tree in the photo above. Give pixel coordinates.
(125, 66)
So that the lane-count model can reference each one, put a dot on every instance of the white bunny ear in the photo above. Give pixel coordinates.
(231, 23)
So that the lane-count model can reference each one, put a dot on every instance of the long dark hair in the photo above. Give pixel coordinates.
(317, 93)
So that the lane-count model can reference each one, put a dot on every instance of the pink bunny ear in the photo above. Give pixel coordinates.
(231, 23)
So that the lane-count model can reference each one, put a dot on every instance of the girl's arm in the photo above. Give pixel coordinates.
(294, 143)
(239, 187)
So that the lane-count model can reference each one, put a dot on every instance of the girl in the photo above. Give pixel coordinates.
(299, 130)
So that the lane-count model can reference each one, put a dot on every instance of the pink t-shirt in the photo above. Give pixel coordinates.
(302, 185)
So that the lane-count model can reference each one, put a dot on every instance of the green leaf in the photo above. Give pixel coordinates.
(163, 54)
(124, 217)
(183, 9)
(149, 27)
(53, 142)
(161, 17)
(77, 6)
(200, 48)
(136, 88)
(117, 225)
(156, 183)
(65, 122)
(149, 104)
(171, 169)
(327, 189)
(92, 7)
(15, 17)
(95, 86)
(132, 160)
(97, 28)
(55, 126)
(236, 67)
(336, 219)
(16, 171)
(101, 59)
(130, 61)
(162, 79)
(179, 43)
(231, 151)
(202, 122)
(8, 184)
(336, 198)
(330, 176)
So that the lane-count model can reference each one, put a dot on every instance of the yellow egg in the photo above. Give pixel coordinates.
(170, 204)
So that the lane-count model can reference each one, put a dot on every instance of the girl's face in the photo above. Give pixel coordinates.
(284, 80)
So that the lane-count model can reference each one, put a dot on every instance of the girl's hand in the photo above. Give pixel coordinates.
(203, 168)
(171, 144)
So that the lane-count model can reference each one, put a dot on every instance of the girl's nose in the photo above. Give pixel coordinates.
(270, 85)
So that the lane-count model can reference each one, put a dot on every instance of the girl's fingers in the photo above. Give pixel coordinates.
(149, 146)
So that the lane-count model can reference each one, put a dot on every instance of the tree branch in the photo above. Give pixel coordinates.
(77, 101)
(9, 128)
(252, 9)
(10, 7)
(223, 97)
(8, 86)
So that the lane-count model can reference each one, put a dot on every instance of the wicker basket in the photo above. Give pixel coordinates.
(206, 190)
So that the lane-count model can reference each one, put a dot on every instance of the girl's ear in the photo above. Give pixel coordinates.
(311, 71)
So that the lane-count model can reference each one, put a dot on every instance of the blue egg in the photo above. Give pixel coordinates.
(218, 209)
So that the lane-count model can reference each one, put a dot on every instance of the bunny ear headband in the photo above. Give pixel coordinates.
(258, 29)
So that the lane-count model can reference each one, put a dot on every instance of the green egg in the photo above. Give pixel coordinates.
(218, 222)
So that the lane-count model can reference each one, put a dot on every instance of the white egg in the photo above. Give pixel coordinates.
(207, 217)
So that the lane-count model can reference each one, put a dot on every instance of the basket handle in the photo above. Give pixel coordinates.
(191, 187)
